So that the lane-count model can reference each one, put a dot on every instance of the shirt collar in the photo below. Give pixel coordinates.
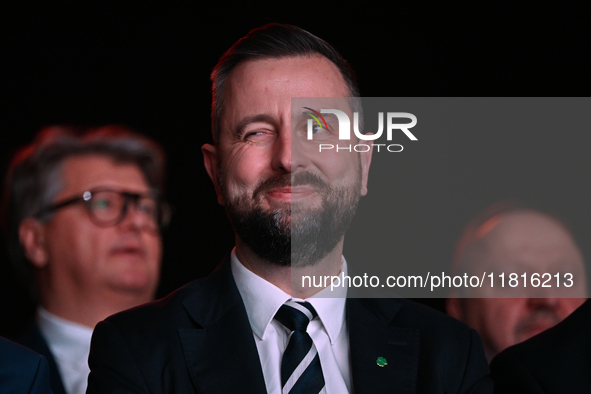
(262, 300)
(330, 306)
(67, 340)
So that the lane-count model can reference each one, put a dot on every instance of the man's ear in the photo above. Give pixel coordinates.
(365, 158)
(211, 160)
(31, 233)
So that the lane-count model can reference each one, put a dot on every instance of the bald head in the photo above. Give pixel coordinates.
(525, 240)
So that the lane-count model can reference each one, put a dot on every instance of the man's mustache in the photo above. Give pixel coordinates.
(283, 180)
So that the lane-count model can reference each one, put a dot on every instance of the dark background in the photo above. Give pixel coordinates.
(147, 65)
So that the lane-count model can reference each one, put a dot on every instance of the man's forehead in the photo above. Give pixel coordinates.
(266, 86)
(88, 171)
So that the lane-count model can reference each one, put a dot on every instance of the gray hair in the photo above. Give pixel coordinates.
(34, 175)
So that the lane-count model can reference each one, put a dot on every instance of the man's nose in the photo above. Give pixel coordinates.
(282, 151)
(288, 152)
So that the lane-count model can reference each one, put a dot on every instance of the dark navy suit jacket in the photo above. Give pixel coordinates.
(34, 340)
(555, 361)
(199, 340)
(22, 370)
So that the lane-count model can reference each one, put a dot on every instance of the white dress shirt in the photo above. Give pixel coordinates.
(69, 343)
(329, 332)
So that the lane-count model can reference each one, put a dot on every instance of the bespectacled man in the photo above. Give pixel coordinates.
(248, 328)
(85, 212)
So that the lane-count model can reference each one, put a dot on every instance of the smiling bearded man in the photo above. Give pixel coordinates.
(249, 327)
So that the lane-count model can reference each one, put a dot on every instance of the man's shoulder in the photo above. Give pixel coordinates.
(146, 336)
(438, 350)
(192, 306)
(411, 314)
(420, 313)
(22, 369)
(17, 356)
(560, 355)
(440, 335)
(571, 336)
(161, 312)
(141, 344)
(439, 332)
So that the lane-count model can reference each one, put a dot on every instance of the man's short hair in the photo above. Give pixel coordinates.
(272, 41)
(34, 175)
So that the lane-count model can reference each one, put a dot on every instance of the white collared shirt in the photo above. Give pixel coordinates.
(329, 332)
(69, 343)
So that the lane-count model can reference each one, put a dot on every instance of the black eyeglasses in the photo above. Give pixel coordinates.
(108, 207)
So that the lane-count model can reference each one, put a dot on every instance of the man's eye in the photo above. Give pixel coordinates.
(254, 135)
(102, 204)
(148, 207)
(317, 129)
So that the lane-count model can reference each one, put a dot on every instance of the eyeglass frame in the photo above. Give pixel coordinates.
(162, 209)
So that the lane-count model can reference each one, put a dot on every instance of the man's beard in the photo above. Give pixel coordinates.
(294, 236)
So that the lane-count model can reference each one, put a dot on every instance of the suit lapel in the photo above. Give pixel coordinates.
(370, 337)
(220, 352)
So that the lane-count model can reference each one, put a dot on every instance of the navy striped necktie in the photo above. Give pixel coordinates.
(300, 367)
